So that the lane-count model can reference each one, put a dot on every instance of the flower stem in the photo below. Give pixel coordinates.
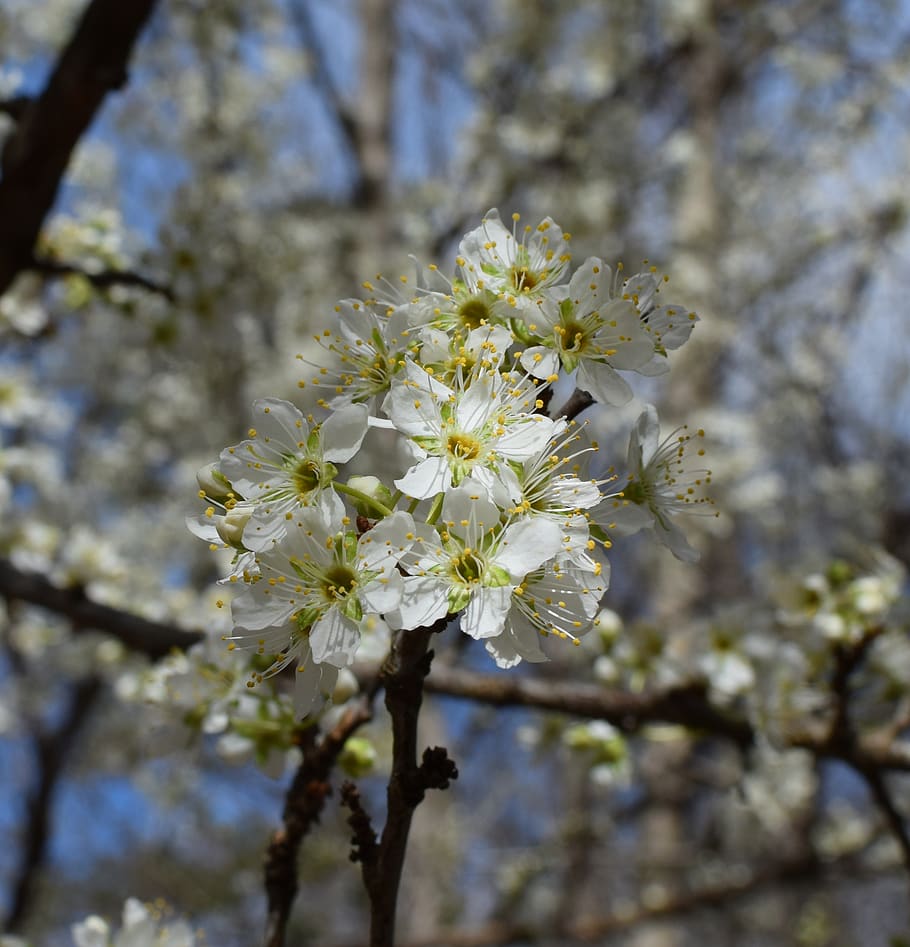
(356, 494)
(436, 508)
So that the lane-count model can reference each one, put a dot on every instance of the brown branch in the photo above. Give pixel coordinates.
(595, 929)
(15, 107)
(321, 74)
(35, 157)
(402, 675)
(576, 403)
(686, 705)
(152, 638)
(878, 788)
(104, 279)
(51, 751)
(303, 806)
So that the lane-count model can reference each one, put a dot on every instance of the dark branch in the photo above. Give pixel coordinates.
(596, 929)
(402, 675)
(149, 637)
(51, 751)
(686, 705)
(15, 107)
(577, 402)
(104, 279)
(36, 155)
(303, 806)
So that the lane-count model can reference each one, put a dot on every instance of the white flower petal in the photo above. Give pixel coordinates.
(343, 432)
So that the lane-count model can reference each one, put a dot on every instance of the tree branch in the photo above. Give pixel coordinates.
(36, 155)
(576, 403)
(51, 751)
(103, 279)
(303, 806)
(686, 705)
(402, 675)
(595, 929)
(152, 638)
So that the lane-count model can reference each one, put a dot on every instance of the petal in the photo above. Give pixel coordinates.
(92, 932)
(486, 612)
(426, 479)
(525, 438)
(424, 600)
(602, 381)
(334, 639)
(382, 595)
(527, 544)
(343, 431)
(540, 361)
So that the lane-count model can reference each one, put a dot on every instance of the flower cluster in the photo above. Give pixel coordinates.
(491, 515)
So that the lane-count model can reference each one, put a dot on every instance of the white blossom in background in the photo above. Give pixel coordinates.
(141, 926)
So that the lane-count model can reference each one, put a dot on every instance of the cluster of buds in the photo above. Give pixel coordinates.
(492, 516)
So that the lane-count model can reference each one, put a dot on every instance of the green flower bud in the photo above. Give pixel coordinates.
(213, 482)
(372, 487)
(358, 757)
(230, 526)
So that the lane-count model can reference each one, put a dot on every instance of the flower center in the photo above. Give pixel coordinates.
(474, 312)
(307, 477)
(523, 278)
(467, 568)
(463, 447)
(338, 581)
(634, 491)
(573, 336)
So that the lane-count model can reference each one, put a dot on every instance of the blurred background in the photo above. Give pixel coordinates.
(263, 160)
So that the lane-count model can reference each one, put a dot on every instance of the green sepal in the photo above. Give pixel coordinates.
(352, 608)
(496, 577)
(459, 596)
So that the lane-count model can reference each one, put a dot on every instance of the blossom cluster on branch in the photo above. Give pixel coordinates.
(493, 515)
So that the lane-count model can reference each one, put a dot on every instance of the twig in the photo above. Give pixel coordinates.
(15, 106)
(595, 929)
(51, 751)
(155, 639)
(35, 156)
(402, 675)
(577, 402)
(686, 705)
(303, 807)
(879, 791)
(103, 279)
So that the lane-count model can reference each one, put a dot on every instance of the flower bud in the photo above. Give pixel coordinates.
(374, 488)
(213, 482)
(358, 757)
(345, 687)
(230, 526)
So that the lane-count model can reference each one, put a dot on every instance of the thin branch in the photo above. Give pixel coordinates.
(103, 279)
(595, 929)
(577, 402)
(152, 638)
(51, 751)
(878, 788)
(35, 156)
(303, 806)
(402, 675)
(15, 106)
(322, 74)
(686, 705)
